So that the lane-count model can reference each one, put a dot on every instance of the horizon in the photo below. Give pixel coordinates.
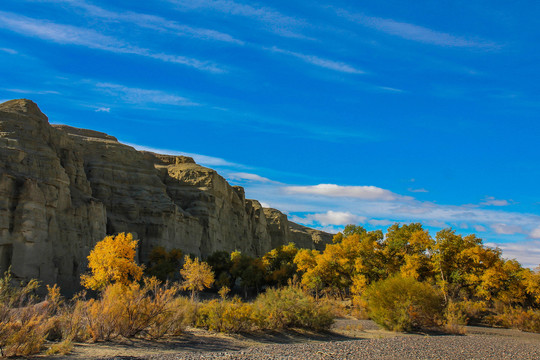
(332, 113)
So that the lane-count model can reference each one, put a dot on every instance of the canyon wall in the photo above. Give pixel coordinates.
(63, 189)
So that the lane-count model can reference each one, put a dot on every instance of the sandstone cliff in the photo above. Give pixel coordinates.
(63, 189)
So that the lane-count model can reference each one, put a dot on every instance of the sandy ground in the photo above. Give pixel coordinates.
(200, 341)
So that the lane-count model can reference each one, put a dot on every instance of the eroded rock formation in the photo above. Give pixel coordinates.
(62, 189)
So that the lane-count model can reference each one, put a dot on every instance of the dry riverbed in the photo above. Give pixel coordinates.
(348, 339)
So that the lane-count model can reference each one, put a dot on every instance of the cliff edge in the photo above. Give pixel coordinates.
(62, 189)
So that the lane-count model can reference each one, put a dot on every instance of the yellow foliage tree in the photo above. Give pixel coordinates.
(197, 275)
(112, 261)
(532, 282)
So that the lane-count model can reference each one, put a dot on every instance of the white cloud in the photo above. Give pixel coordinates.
(479, 228)
(103, 109)
(250, 177)
(321, 62)
(527, 252)
(265, 205)
(491, 201)
(415, 32)
(380, 222)
(436, 223)
(330, 218)
(358, 192)
(144, 96)
(535, 234)
(504, 229)
(72, 35)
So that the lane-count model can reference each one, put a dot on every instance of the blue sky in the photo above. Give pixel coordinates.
(334, 113)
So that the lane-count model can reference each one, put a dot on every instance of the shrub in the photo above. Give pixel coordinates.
(359, 308)
(150, 309)
(23, 323)
(475, 311)
(178, 313)
(229, 316)
(16, 296)
(62, 348)
(22, 338)
(403, 304)
(290, 307)
(71, 320)
(455, 319)
(519, 318)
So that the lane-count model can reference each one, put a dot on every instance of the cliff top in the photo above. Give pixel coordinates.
(22, 106)
(85, 132)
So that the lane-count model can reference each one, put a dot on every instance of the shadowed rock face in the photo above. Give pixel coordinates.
(63, 189)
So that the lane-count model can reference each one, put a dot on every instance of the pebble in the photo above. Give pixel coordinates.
(478, 347)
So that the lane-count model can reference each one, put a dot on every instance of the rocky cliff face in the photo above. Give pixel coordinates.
(63, 189)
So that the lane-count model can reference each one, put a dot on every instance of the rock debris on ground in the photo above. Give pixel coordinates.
(407, 347)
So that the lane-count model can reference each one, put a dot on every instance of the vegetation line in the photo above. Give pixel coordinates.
(404, 280)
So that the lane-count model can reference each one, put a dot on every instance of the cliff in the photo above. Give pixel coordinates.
(62, 189)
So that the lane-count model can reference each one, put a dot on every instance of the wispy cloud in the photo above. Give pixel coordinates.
(380, 222)
(199, 159)
(274, 20)
(9, 51)
(535, 233)
(72, 35)
(103, 109)
(527, 252)
(479, 228)
(250, 177)
(415, 32)
(32, 91)
(421, 190)
(330, 218)
(321, 62)
(491, 201)
(390, 89)
(148, 21)
(144, 96)
(357, 192)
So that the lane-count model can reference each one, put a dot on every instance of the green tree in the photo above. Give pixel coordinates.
(249, 270)
(163, 264)
(221, 264)
(279, 264)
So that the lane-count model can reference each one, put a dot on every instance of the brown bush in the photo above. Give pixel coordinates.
(23, 323)
(18, 338)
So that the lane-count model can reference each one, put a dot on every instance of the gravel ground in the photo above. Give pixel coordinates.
(348, 339)
(404, 347)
